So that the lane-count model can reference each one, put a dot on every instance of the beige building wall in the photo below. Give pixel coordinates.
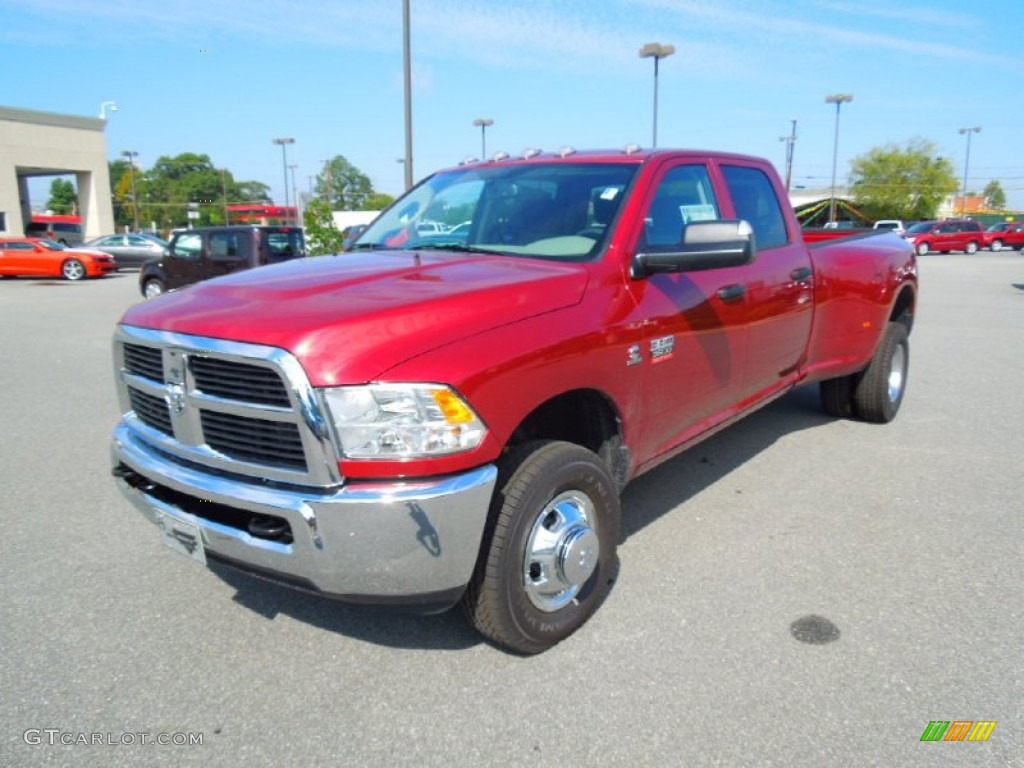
(46, 143)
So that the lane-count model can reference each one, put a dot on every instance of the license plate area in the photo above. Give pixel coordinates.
(181, 535)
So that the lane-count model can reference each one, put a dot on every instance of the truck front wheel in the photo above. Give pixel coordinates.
(549, 553)
(879, 392)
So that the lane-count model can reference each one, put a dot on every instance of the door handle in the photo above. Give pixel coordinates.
(733, 292)
(800, 274)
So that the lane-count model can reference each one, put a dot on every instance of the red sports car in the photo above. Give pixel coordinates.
(33, 257)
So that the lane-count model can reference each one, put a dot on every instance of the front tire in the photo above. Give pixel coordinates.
(997, 245)
(153, 288)
(972, 248)
(879, 392)
(922, 249)
(549, 553)
(73, 269)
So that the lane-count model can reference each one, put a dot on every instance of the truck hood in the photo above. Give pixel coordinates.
(351, 317)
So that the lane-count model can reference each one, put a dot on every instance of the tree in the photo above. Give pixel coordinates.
(907, 183)
(166, 190)
(63, 197)
(322, 236)
(343, 186)
(995, 197)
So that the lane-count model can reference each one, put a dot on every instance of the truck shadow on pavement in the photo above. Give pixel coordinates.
(644, 502)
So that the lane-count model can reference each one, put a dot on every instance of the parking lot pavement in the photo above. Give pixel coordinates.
(796, 591)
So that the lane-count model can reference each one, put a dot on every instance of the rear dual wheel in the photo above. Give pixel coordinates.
(876, 393)
(549, 554)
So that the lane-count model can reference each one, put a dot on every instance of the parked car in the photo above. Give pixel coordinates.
(1002, 233)
(893, 225)
(129, 250)
(63, 232)
(945, 236)
(205, 252)
(34, 257)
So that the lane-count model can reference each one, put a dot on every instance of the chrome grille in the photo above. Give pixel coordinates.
(235, 407)
(239, 381)
(151, 410)
(257, 440)
(144, 361)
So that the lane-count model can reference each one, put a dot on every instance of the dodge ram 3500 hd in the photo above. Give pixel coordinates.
(448, 413)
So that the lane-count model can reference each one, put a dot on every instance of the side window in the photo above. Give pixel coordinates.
(187, 246)
(756, 202)
(224, 246)
(683, 196)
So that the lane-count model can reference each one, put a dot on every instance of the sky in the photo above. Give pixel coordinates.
(226, 77)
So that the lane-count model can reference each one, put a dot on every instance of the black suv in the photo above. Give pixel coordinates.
(199, 254)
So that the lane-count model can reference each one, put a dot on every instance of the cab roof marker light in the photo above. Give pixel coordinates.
(632, 149)
(469, 160)
(530, 153)
(566, 151)
(499, 156)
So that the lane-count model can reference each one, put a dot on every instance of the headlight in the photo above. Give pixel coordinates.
(402, 421)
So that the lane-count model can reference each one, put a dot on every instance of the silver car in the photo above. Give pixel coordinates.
(129, 250)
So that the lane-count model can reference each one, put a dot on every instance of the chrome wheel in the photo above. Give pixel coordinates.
(153, 288)
(73, 269)
(562, 551)
(897, 373)
(922, 249)
(997, 245)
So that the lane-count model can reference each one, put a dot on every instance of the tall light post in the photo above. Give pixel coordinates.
(131, 154)
(656, 51)
(790, 141)
(111, 105)
(295, 195)
(284, 165)
(484, 123)
(838, 99)
(407, 77)
(967, 162)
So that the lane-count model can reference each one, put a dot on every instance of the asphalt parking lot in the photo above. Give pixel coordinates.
(796, 591)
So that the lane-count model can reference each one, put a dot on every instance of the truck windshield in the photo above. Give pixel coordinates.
(544, 210)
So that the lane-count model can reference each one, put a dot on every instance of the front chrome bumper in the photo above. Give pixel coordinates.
(413, 542)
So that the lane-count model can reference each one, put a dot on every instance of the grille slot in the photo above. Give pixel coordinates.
(144, 361)
(151, 410)
(239, 381)
(260, 441)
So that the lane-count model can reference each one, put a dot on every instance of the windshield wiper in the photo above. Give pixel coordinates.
(454, 247)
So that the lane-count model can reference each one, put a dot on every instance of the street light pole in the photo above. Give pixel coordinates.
(295, 195)
(407, 76)
(131, 154)
(284, 165)
(790, 141)
(484, 123)
(967, 162)
(656, 51)
(838, 99)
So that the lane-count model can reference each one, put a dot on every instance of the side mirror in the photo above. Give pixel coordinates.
(704, 245)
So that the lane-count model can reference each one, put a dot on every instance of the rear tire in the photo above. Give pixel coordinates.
(879, 393)
(997, 245)
(922, 249)
(837, 396)
(548, 558)
(73, 269)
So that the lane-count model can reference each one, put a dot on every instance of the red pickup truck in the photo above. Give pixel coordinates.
(448, 412)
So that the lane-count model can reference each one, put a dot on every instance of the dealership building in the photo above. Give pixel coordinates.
(49, 144)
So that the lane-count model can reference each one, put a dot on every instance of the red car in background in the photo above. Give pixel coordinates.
(34, 257)
(944, 236)
(1002, 233)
